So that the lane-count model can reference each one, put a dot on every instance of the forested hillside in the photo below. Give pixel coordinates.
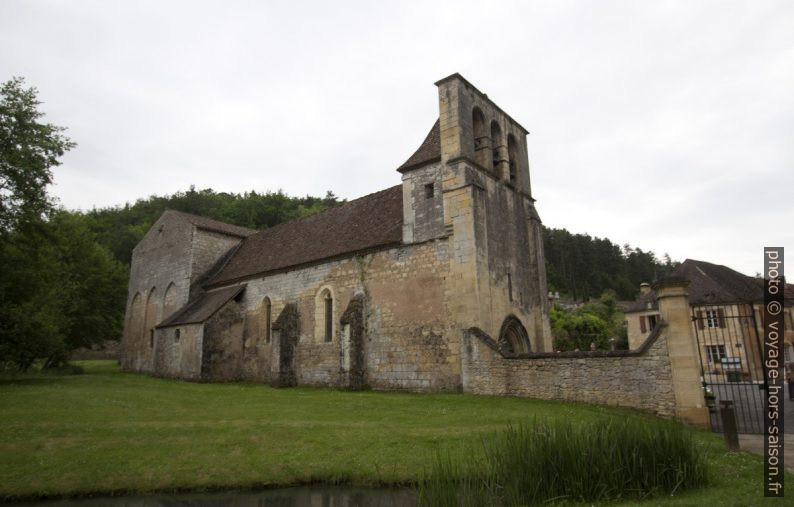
(583, 267)
(579, 266)
(120, 228)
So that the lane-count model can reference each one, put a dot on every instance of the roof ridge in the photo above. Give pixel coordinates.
(429, 150)
(326, 210)
(201, 217)
(370, 221)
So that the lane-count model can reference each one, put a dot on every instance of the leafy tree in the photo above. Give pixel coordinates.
(600, 323)
(28, 151)
(30, 309)
(59, 289)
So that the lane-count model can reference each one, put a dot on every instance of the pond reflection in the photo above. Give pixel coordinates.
(287, 497)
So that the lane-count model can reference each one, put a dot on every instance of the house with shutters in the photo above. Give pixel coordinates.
(727, 319)
(375, 292)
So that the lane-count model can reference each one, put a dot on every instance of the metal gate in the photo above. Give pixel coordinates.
(731, 361)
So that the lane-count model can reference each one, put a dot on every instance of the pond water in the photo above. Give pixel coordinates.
(307, 496)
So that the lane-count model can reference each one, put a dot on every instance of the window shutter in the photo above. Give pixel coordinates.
(721, 317)
(700, 319)
(642, 324)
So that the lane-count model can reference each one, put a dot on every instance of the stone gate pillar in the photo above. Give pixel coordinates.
(690, 405)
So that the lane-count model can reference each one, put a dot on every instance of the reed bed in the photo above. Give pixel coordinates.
(562, 461)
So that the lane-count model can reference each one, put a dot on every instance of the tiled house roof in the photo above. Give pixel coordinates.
(369, 222)
(429, 151)
(711, 284)
(716, 284)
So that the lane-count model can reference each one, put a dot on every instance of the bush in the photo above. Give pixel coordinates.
(561, 461)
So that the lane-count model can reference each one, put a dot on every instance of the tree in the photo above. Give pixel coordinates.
(599, 322)
(60, 290)
(28, 151)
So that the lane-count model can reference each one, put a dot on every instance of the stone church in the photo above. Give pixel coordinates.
(376, 292)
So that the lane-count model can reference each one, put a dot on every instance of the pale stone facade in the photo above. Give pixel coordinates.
(437, 284)
(468, 253)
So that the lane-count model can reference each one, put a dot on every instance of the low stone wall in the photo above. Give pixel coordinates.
(110, 349)
(639, 378)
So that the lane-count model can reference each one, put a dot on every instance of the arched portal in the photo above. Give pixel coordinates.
(513, 337)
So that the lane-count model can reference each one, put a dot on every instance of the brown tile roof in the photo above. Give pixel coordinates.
(715, 284)
(711, 284)
(429, 151)
(202, 308)
(371, 221)
(213, 225)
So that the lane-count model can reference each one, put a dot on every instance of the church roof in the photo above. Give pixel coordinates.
(368, 222)
(202, 308)
(429, 151)
(213, 225)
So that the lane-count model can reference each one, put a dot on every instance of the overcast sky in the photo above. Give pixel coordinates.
(666, 125)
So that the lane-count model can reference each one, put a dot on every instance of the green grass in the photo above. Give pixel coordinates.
(554, 460)
(106, 431)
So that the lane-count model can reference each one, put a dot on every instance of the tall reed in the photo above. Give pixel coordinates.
(564, 461)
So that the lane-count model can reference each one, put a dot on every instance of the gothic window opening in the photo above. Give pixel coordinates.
(513, 338)
(177, 335)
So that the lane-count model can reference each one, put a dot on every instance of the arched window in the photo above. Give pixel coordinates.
(329, 316)
(135, 319)
(151, 318)
(324, 325)
(512, 157)
(267, 311)
(496, 148)
(482, 142)
(169, 301)
(513, 338)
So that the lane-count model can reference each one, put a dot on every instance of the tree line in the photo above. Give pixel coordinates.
(583, 267)
(63, 283)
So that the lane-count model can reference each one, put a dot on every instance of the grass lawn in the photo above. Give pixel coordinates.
(107, 431)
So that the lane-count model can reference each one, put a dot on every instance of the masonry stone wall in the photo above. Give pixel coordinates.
(222, 344)
(167, 267)
(207, 248)
(407, 343)
(497, 269)
(423, 214)
(640, 379)
(179, 357)
(159, 260)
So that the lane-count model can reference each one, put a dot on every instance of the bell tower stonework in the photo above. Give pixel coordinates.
(469, 182)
